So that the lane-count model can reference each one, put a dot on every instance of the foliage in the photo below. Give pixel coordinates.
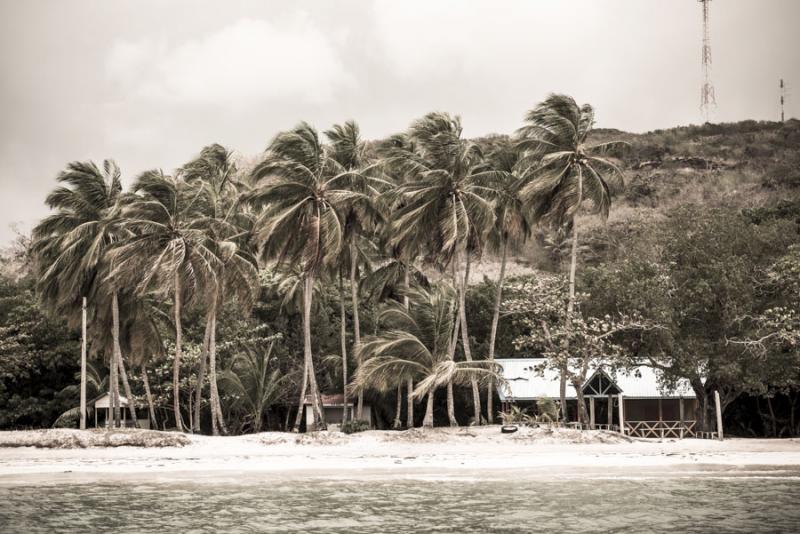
(352, 427)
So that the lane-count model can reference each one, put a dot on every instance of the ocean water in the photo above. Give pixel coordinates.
(746, 502)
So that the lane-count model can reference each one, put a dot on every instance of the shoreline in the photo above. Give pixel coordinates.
(474, 453)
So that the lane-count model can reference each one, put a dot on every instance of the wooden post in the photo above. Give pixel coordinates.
(660, 418)
(591, 413)
(719, 416)
(610, 411)
(621, 414)
(680, 410)
(83, 364)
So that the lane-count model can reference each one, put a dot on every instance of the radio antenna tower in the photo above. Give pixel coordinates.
(783, 99)
(707, 97)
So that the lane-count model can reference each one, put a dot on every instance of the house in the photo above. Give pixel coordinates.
(647, 409)
(102, 412)
(333, 410)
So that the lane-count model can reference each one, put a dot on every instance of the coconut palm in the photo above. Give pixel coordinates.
(228, 231)
(442, 209)
(391, 279)
(299, 187)
(168, 251)
(417, 346)
(506, 169)
(254, 384)
(360, 214)
(70, 249)
(571, 170)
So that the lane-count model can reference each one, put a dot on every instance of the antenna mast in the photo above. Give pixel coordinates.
(783, 99)
(707, 96)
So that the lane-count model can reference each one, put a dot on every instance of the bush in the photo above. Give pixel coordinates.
(351, 427)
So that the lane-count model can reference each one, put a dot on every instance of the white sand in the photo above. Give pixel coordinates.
(483, 452)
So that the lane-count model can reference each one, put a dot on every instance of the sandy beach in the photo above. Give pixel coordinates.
(484, 452)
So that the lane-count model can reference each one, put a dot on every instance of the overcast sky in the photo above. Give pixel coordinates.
(149, 83)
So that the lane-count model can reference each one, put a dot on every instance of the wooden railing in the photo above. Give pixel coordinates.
(662, 429)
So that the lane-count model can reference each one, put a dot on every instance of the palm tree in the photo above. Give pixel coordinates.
(506, 170)
(168, 251)
(70, 250)
(300, 188)
(391, 279)
(442, 208)
(570, 171)
(254, 384)
(228, 232)
(361, 213)
(417, 346)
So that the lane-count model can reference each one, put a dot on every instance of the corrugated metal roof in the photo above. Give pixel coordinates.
(527, 379)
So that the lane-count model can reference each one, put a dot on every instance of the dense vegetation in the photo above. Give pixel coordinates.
(228, 293)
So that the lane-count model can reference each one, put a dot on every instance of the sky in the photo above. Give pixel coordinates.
(149, 83)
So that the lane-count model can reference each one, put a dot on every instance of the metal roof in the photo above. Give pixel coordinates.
(529, 379)
(104, 401)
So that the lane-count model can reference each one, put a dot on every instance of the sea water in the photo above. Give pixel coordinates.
(747, 502)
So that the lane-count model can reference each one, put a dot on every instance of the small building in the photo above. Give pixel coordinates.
(102, 412)
(333, 410)
(648, 410)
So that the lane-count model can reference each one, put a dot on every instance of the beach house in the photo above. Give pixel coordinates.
(636, 397)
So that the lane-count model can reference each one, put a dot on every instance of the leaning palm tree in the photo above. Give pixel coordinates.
(228, 231)
(418, 346)
(506, 170)
(299, 187)
(569, 172)
(360, 213)
(391, 279)
(70, 249)
(442, 208)
(168, 251)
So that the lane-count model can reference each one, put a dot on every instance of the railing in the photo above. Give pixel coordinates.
(662, 429)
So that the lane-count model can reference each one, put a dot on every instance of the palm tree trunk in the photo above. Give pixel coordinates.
(356, 322)
(115, 358)
(201, 377)
(398, 407)
(462, 313)
(304, 385)
(571, 302)
(451, 412)
(410, 404)
(149, 398)
(218, 421)
(308, 295)
(128, 392)
(343, 339)
(410, 381)
(176, 365)
(83, 364)
(428, 421)
(498, 297)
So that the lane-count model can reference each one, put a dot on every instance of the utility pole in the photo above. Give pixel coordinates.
(83, 364)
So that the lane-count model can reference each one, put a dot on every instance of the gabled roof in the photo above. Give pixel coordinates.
(529, 379)
(104, 401)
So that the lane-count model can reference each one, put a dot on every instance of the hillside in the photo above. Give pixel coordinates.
(748, 165)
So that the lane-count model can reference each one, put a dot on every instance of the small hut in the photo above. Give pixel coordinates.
(648, 409)
(102, 412)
